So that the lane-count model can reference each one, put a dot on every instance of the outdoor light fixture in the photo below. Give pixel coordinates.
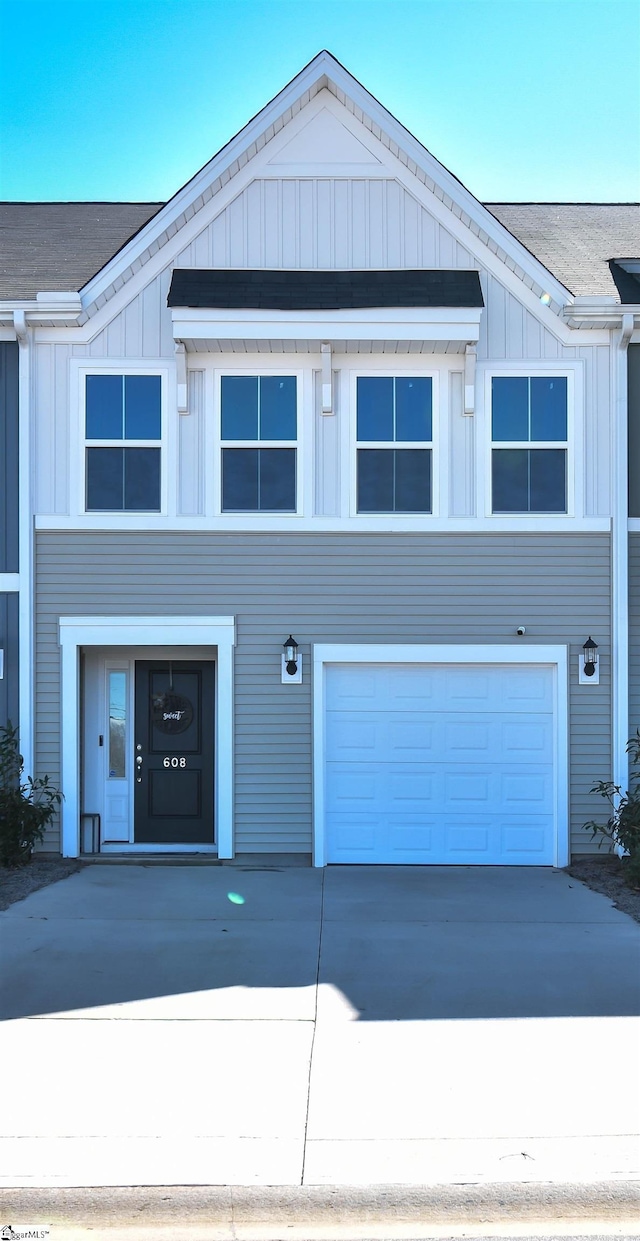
(291, 663)
(590, 658)
(589, 671)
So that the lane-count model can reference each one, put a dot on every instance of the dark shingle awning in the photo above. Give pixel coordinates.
(225, 289)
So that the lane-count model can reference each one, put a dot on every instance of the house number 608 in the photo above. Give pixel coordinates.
(174, 762)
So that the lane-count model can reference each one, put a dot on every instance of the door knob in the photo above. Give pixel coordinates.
(138, 760)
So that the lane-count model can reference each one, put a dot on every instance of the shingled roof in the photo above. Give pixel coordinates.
(59, 246)
(576, 241)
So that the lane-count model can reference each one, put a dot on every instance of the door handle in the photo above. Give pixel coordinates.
(138, 760)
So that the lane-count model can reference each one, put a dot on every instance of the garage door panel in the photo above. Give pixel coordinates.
(440, 763)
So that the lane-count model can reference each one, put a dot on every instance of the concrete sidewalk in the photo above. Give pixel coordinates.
(242, 1025)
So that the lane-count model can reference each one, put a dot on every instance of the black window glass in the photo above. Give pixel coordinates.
(142, 417)
(105, 490)
(510, 408)
(278, 415)
(239, 480)
(375, 408)
(510, 470)
(142, 480)
(549, 408)
(104, 411)
(239, 399)
(413, 408)
(412, 480)
(277, 478)
(375, 480)
(548, 480)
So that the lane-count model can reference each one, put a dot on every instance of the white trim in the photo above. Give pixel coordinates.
(385, 324)
(79, 369)
(144, 631)
(239, 522)
(304, 401)
(26, 602)
(573, 372)
(361, 653)
(9, 582)
(437, 445)
(323, 66)
(620, 553)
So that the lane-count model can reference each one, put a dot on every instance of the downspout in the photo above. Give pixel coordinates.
(620, 554)
(24, 336)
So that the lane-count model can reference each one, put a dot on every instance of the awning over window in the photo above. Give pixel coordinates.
(229, 309)
(225, 289)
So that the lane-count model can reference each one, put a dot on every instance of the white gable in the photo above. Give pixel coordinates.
(324, 140)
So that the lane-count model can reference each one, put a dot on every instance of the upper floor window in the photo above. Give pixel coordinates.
(529, 423)
(123, 426)
(394, 444)
(259, 432)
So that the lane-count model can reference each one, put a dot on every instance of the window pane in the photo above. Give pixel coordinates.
(278, 407)
(375, 480)
(510, 469)
(142, 407)
(510, 408)
(104, 407)
(413, 480)
(239, 480)
(277, 480)
(548, 475)
(142, 480)
(105, 489)
(239, 398)
(549, 408)
(375, 409)
(117, 724)
(413, 409)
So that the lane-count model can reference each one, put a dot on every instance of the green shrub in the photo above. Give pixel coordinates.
(26, 805)
(623, 825)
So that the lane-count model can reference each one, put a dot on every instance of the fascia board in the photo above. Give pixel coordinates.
(255, 129)
(418, 324)
(322, 67)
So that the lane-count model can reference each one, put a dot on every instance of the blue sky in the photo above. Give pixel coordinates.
(126, 99)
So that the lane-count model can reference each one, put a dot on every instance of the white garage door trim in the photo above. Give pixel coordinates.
(550, 656)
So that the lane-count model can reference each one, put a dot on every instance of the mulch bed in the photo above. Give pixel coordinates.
(606, 874)
(21, 882)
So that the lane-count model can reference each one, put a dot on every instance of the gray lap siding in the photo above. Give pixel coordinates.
(341, 588)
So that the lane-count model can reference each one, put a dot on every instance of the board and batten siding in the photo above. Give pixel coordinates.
(331, 588)
(9, 642)
(9, 509)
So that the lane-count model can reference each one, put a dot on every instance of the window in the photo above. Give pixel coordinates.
(390, 412)
(531, 411)
(123, 417)
(256, 411)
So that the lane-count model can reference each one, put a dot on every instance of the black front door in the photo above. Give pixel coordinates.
(174, 753)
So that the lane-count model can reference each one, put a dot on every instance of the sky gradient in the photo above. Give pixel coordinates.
(125, 99)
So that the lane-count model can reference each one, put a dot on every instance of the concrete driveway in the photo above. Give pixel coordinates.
(258, 1024)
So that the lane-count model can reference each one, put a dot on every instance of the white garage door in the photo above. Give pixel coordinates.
(440, 763)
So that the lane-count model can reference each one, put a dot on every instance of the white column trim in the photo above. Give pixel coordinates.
(142, 631)
(620, 554)
(556, 656)
(24, 336)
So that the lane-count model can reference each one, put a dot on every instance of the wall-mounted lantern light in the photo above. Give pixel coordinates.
(589, 667)
(291, 663)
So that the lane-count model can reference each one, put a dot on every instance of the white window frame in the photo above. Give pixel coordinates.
(573, 445)
(122, 366)
(412, 371)
(303, 378)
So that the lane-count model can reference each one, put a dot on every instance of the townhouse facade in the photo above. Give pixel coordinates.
(325, 545)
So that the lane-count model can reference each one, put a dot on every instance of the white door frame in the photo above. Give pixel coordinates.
(145, 631)
(378, 653)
